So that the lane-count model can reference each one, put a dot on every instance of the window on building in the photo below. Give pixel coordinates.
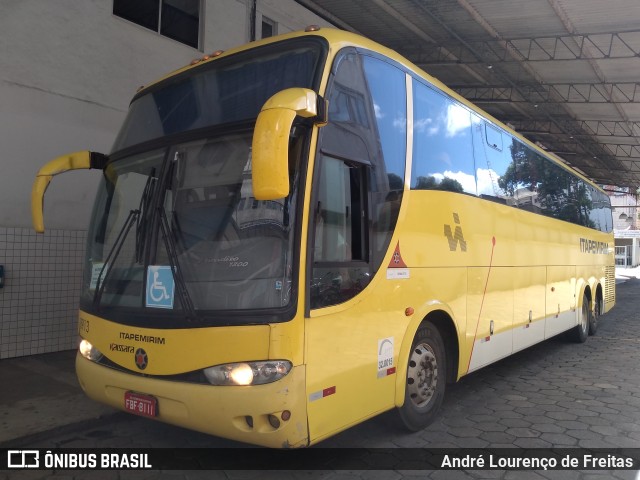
(176, 19)
(269, 28)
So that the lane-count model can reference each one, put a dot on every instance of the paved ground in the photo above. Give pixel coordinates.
(553, 395)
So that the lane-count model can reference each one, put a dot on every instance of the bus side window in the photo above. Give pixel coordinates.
(442, 143)
(496, 165)
(359, 176)
(493, 136)
(339, 213)
(340, 255)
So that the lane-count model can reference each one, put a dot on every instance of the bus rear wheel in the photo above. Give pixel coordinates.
(581, 331)
(594, 316)
(426, 379)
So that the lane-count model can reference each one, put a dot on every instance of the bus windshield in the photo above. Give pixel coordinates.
(175, 225)
(189, 208)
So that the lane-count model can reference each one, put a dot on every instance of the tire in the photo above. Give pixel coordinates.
(594, 317)
(426, 379)
(580, 332)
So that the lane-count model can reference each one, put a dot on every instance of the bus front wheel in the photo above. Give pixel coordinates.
(426, 379)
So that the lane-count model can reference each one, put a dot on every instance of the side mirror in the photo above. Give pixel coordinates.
(73, 161)
(270, 148)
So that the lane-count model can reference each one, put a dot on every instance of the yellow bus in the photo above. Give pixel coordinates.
(296, 235)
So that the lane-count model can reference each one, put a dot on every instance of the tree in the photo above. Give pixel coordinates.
(431, 183)
(560, 194)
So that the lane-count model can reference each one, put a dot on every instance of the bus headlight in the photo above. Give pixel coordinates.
(247, 373)
(88, 351)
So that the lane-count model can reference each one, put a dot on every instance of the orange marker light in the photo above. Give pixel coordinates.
(312, 28)
(409, 311)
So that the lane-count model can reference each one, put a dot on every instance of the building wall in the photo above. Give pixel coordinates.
(68, 70)
(625, 212)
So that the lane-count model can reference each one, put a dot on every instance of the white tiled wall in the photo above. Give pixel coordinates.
(39, 301)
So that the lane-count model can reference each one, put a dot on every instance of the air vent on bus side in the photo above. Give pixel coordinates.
(610, 285)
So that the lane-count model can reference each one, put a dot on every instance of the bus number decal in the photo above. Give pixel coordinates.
(456, 237)
(385, 357)
(83, 326)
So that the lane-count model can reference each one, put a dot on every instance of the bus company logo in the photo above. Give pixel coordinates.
(456, 236)
(593, 246)
(396, 258)
(116, 347)
(141, 358)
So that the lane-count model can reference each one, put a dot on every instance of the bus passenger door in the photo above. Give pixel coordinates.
(345, 336)
(355, 326)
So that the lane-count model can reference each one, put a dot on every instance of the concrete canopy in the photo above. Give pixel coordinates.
(563, 73)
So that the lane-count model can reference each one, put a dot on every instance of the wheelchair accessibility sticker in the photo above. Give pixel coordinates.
(160, 286)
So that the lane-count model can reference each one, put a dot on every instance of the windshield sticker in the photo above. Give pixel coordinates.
(96, 268)
(160, 286)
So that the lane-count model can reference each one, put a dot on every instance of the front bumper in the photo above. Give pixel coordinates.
(237, 413)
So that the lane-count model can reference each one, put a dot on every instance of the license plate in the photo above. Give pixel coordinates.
(144, 405)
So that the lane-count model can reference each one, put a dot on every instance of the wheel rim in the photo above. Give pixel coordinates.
(584, 318)
(422, 375)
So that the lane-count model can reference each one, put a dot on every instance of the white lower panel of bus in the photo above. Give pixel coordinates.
(559, 323)
(503, 344)
(529, 334)
(490, 349)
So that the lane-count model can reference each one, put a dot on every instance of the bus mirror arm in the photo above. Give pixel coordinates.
(72, 161)
(270, 146)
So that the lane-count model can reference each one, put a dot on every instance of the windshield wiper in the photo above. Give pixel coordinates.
(113, 254)
(181, 285)
(143, 219)
(139, 219)
(170, 245)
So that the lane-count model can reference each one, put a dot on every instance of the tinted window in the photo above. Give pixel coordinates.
(339, 223)
(542, 186)
(442, 143)
(367, 123)
(359, 176)
(341, 268)
(142, 12)
(232, 90)
(181, 21)
(601, 213)
(176, 19)
(493, 136)
(387, 88)
(494, 164)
